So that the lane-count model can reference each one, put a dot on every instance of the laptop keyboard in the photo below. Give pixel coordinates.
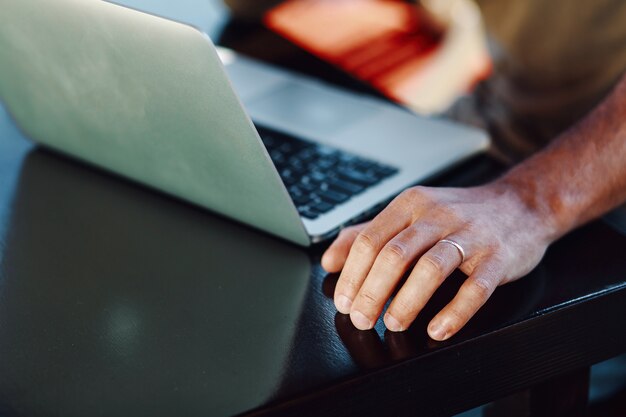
(320, 177)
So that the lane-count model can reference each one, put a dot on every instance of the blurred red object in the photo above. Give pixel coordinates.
(383, 42)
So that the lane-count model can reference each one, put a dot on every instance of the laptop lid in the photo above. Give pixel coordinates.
(143, 97)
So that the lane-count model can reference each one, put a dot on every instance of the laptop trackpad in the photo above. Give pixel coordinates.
(309, 108)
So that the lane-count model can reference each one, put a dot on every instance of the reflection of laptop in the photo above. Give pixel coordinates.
(142, 307)
(149, 99)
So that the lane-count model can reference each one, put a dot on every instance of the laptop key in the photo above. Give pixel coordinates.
(325, 150)
(334, 197)
(308, 186)
(268, 141)
(277, 157)
(326, 163)
(296, 165)
(308, 213)
(384, 171)
(322, 207)
(301, 200)
(389, 171)
(317, 176)
(357, 177)
(295, 190)
(365, 165)
(345, 186)
(307, 154)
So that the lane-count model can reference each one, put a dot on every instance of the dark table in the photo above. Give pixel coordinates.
(116, 300)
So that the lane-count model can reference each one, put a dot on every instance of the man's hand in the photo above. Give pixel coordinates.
(504, 227)
(502, 236)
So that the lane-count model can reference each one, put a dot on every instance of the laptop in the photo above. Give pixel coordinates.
(150, 99)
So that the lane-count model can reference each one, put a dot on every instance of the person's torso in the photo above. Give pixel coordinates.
(553, 62)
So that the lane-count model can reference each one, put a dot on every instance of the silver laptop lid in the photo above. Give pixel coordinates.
(141, 96)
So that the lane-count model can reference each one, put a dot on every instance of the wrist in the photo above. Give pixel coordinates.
(537, 206)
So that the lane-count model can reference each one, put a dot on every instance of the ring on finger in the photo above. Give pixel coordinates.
(457, 246)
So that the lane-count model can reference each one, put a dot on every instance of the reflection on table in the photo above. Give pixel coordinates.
(116, 298)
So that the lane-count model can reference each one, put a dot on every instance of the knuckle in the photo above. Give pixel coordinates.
(425, 227)
(352, 284)
(419, 190)
(449, 216)
(366, 242)
(481, 288)
(414, 194)
(495, 246)
(369, 298)
(434, 263)
(492, 266)
(394, 253)
(409, 193)
(401, 309)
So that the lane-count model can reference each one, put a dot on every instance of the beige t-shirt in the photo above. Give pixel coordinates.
(554, 61)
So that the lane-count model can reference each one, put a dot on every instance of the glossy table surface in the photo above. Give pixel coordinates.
(118, 300)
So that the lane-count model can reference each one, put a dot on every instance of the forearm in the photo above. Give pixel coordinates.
(582, 174)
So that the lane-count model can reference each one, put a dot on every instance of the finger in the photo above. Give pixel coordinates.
(429, 273)
(363, 252)
(389, 267)
(472, 295)
(335, 256)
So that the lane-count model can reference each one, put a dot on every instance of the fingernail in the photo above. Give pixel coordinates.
(360, 321)
(392, 324)
(344, 304)
(437, 332)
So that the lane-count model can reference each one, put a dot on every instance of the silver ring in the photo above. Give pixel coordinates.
(456, 245)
